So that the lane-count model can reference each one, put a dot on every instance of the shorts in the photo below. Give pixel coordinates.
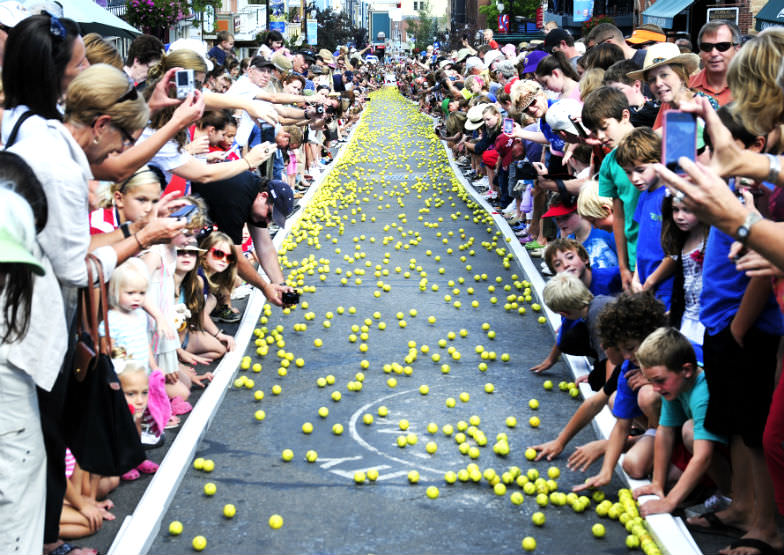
(740, 383)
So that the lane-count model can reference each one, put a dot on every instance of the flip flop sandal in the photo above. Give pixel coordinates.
(715, 526)
(147, 467)
(131, 475)
(65, 548)
(764, 547)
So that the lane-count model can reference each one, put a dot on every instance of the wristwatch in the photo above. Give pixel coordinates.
(742, 233)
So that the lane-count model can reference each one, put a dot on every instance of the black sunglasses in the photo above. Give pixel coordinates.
(128, 139)
(130, 94)
(720, 46)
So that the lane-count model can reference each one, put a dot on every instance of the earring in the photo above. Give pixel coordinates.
(96, 141)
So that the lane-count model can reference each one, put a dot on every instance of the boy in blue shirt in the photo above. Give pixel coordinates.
(636, 154)
(667, 360)
(625, 324)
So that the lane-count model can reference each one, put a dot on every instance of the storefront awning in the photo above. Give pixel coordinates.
(92, 18)
(662, 12)
(771, 14)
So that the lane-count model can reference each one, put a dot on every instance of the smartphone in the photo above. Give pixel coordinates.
(185, 82)
(187, 211)
(508, 126)
(579, 126)
(679, 138)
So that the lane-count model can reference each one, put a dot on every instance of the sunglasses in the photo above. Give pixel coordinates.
(720, 46)
(186, 252)
(128, 140)
(220, 255)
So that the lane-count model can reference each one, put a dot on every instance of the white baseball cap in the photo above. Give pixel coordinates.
(11, 13)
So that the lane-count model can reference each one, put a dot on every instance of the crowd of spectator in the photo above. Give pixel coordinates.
(667, 277)
(177, 199)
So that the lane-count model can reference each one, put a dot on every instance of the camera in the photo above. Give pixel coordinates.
(319, 109)
(526, 170)
(185, 82)
(290, 297)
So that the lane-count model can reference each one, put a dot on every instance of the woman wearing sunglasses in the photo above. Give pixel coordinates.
(667, 71)
(100, 118)
(219, 264)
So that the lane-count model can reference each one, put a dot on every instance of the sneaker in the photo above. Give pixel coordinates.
(717, 502)
(151, 441)
(241, 292)
(536, 253)
(224, 314)
(490, 194)
(545, 269)
(510, 208)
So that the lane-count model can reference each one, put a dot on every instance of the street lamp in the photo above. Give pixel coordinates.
(500, 7)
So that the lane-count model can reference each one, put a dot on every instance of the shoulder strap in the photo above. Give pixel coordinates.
(15, 130)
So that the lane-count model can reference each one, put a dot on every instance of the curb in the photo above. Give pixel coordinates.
(139, 529)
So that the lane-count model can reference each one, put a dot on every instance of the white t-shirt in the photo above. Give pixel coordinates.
(168, 157)
(245, 88)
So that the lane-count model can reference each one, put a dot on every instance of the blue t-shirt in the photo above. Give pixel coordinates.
(690, 405)
(606, 281)
(649, 250)
(625, 399)
(557, 144)
(723, 288)
(601, 249)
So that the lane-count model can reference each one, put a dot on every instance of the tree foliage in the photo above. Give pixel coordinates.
(514, 8)
(336, 28)
(423, 27)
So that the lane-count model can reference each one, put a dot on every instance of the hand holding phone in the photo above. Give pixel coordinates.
(508, 126)
(679, 138)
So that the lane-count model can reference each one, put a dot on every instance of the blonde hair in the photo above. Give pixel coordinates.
(566, 292)
(185, 59)
(666, 347)
(126, 366)
(590, 204)
(132, 271)
(142, 176)
(96, 92)
(100, 51)
(754, 79)
(591, 80)
(295, 134)
(199, 219)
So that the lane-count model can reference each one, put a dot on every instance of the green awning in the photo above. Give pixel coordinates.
(662, 12)
(771, 14)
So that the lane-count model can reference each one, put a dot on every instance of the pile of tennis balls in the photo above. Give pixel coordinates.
(349, 196)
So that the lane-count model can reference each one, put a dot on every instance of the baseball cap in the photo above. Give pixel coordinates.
(260, 62)
(560, 209)
(17, 231)
(282, 201)
(11, 13)
(198, 46)
(555, 37)
(557, 116)
(532, 60)
(281, 62)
